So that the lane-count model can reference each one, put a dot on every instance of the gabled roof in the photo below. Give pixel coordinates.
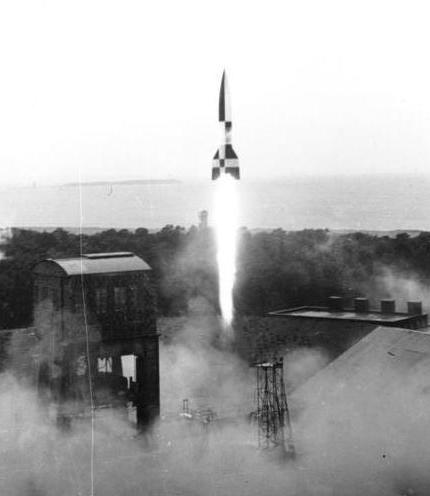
(363, 420)
(378, 359)
(95, 263)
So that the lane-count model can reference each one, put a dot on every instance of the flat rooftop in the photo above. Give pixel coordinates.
(373, 316)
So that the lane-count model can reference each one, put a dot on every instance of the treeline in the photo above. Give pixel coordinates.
(275, 269)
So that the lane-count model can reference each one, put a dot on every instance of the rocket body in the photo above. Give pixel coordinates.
(225, 160)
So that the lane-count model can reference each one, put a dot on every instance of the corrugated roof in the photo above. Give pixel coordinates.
(102, 263)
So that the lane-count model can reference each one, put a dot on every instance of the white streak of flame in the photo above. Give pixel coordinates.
(226, 225)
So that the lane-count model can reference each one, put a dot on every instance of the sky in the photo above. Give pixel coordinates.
(104, 90)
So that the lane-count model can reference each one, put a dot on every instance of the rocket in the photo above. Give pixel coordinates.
(225, 160)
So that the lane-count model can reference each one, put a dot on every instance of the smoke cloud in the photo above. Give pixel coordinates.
(369, 438)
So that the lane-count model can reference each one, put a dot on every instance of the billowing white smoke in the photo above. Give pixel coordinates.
(363, 440)
(226, 225)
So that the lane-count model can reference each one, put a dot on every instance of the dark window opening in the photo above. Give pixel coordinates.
(47, 294)
(101, 300)
(43, 293)
(133, 302)
(120, 298)
(77, 301)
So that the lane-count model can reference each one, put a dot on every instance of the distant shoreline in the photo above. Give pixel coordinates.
(89, 230)
(128, 182)
(377, 205)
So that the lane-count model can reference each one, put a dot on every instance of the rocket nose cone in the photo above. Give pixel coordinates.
(224, 84)
(224, 100)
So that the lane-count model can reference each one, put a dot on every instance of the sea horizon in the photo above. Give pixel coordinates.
(380, 202)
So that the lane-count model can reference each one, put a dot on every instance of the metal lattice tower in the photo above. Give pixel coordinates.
(272, 415)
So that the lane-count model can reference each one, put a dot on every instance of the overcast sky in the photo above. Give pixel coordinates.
(125, 89)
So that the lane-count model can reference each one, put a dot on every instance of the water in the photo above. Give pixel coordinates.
(357, 203)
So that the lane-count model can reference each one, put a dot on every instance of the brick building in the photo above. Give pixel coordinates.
(94, 342)
(332, 329)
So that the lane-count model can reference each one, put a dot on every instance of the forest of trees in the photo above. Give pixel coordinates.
(275, 269)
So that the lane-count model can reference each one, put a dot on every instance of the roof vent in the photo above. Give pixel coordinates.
(335, 303)
(415, 308)
(388, 306)
(361, 305)
(118, 254)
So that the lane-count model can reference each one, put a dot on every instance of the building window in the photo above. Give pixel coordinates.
(133, 298)
(43, 293)
(50, 295)
(77, 304)
(101, 300)
(120, 298)
(104, 365)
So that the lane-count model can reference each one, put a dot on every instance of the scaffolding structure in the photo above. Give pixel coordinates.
(272, 414)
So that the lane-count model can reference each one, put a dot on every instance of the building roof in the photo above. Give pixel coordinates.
(367, 413)
(374, 359)
(372, 316)
(97, 263)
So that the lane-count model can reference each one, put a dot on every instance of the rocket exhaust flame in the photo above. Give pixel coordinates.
(226, 224)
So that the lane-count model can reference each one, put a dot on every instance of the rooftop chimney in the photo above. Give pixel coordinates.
(415, 308)
(335, 303)
(388, 306)
(361, 305)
